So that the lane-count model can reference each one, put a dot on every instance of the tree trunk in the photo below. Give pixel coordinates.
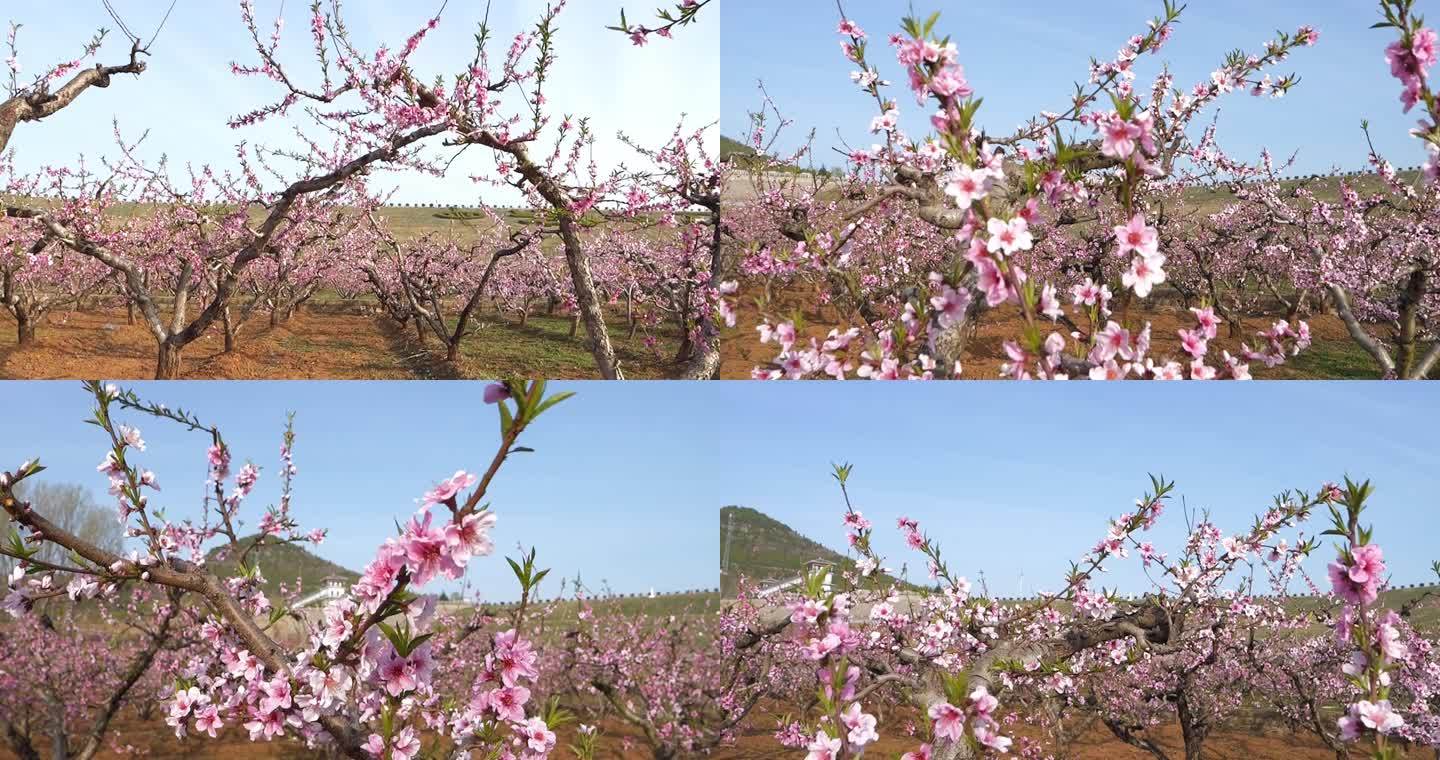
(687, 345)
(1297, 307)
(589, 303)
(19, 743)
(25, 330)
(452, 351)
(129, 312)
(574, 323)
(229, 330)
(167, 363)
(630, 311)
(1192, 729)
(1409, 317)
(59, 741)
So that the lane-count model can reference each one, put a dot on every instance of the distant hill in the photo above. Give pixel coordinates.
(744, 156)
(730, 147)
(763, 548)
(281, 564)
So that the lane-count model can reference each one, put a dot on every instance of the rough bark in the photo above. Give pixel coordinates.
(18, 742)
(167, 360)
(576, 260)
(37, 104)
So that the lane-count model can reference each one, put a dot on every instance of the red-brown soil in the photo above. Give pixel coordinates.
(742, 351)
(1237, 742)
(152, 738)
(332, 341)
(757, 742)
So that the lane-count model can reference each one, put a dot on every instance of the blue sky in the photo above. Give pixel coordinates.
(1021, 478)
(629, 477)
(188, 93)
(614, 492)
(1025, 60)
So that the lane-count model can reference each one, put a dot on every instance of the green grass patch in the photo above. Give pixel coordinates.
(1328, 360)
(543, 347)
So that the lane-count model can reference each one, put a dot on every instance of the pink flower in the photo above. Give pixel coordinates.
(949, 721)
(950, 82)
(538, 736)
(277, 694)
(1349, 727)
(397, 674)
(512, 659)
(950, 305)
(1377, 715)
(1359, 582)
(508, 702)
(987, 732)
(427, 552)
(470, 537)
(219, 457)
(1348, 590)
(131, 437)
(1010, 236)
(208, 721)
(1367, 563)
(805, 613)
(822, 747)
(495, 393)
(110, 465)
(1120, 136)
(447, 489)
(1390, 643)
(1207, 321)
(861, 725)
(992, 281)
(1050, 304)
(967, 185)
(1144, 274)
(923, 753)
(982, 702)
(1423, 46)
(1137, 236)
(1112, 341)
(1193, 343)
(267, 725)
(406, 744)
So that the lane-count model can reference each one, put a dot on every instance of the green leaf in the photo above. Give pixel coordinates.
(552, 401)
(506, 420)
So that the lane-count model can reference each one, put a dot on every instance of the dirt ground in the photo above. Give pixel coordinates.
(1333, 354)
(156, 740)
(333, 341)
(153, 739)
(757, 742)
